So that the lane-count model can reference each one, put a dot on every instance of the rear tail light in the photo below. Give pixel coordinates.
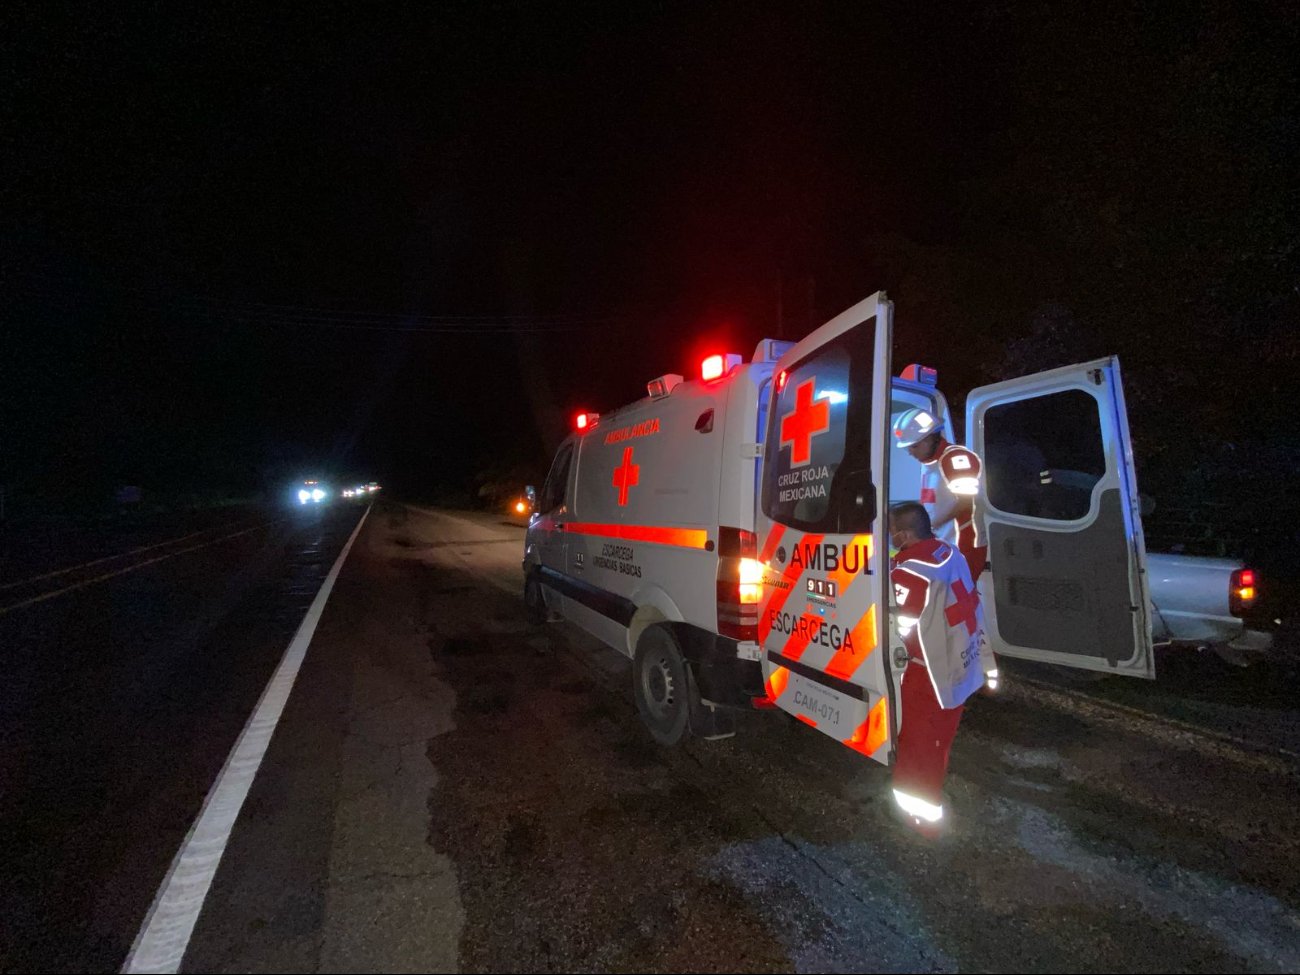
(1242, 592)
(740, 583)
(751, 581)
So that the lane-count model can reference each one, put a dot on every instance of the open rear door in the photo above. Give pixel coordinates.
(1067, 579)
(822, 531)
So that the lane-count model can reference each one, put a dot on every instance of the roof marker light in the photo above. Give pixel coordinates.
(917, 373)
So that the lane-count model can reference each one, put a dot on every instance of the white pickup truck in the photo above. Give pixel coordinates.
(1041, 468)
(1197, 601)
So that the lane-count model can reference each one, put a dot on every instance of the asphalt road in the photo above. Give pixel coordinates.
(450, 789)
(129, 662)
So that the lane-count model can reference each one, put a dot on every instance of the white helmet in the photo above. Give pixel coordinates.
(915, 425)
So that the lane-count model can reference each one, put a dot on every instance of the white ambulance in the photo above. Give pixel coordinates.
(728, 533)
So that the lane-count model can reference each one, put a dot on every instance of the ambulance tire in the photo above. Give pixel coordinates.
(535, 600)
(662, 685)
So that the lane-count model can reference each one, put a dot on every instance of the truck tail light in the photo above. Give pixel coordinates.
(740, 583)
(1242, 592)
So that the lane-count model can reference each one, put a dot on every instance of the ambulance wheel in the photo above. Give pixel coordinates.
(534, 600)
(661, 685)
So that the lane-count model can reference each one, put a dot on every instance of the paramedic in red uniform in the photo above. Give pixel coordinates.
(939, 618)
(950, 486)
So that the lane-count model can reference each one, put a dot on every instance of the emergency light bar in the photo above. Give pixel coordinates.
(717, 366)
(584, 420)
(917, 373)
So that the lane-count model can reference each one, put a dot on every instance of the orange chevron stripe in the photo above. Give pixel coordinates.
(873, 732)
(775, 598)
(797, 642)
(845, 662)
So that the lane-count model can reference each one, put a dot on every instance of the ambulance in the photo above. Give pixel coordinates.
(728, 533)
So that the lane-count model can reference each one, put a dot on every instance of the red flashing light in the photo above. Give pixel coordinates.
(585, 420)
(780, 380)
(717, 366)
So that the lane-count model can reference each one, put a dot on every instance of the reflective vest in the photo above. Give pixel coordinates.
(939, 617)
(951, 486)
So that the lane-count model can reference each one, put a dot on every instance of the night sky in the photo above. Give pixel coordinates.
(241, 244)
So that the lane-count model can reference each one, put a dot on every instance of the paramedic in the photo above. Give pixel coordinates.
(939, 619)
(951, 485)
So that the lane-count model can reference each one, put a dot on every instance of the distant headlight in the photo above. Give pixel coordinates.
(304, 496)
(317, 494)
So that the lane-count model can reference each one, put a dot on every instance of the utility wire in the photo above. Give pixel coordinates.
(260, 313)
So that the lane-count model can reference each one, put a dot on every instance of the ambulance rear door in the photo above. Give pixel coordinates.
(1067, 580)
(822, 533)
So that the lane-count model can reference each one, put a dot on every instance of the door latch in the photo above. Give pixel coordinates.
(901, 658)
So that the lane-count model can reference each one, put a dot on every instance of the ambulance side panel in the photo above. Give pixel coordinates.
(645, 517)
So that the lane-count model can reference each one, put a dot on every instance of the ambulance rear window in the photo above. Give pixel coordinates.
(817, 457)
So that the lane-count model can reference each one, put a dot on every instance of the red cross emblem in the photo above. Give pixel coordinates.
(626, 476)
(963, 609)
(806, 421)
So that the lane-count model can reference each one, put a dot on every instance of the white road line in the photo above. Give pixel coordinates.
(130, 568)
(106, 558)
(164, 936)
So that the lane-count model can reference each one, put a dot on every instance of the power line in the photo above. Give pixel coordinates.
(254, 313)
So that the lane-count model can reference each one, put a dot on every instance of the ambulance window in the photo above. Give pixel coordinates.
(817, 458)
(1043, 455)
(556, 481)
